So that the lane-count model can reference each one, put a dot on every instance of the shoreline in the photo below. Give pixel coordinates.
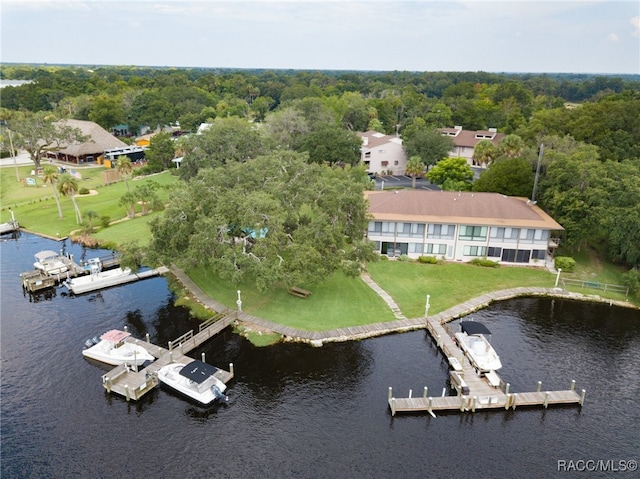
(355, 333)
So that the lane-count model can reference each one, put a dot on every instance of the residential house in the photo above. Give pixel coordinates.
(458, 226)
(98, 140)
(465, 141)
(383, 154)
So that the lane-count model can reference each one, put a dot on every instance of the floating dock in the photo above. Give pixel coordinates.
(134, 384)
(475, 391)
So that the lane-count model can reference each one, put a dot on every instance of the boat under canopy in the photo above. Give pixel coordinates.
(115, 335)
(473, 327)
(197, 371)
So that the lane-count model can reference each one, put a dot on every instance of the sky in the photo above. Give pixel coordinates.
(567, 36)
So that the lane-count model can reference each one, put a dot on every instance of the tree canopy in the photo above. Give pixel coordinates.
(274, 220)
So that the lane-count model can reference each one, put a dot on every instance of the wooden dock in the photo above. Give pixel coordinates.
(37, 280)
(475, 391)
(134, 384)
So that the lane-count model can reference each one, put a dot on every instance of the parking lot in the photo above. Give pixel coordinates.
(383, 182)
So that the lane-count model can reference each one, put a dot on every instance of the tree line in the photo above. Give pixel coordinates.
(588, 176)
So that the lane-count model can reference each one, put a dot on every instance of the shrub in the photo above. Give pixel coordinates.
(486, 263)
(566, 264)
(428, 259)
(403, 257)
(83, 191)
(105, 220)
(631, 279)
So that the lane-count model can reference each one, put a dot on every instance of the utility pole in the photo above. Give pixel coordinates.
(535, 182)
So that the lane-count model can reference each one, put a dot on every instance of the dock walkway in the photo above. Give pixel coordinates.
(133, 383)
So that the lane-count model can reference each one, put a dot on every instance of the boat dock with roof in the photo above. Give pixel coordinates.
(475, 390)
(133, 383)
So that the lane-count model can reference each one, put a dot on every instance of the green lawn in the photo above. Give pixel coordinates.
(35, 208)
(336, 302)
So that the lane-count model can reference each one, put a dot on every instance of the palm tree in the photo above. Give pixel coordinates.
(415, 168)
(50, 175)
(485, 152)
(68, 186)
(511, 146)
(125, 168)
(128, 200)
(90, 215)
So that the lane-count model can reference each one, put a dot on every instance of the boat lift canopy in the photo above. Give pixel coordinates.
(115, 335)
(473, 327)
(198, 371)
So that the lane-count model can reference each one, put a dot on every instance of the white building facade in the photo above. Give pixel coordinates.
(383, 154)
(465, 141)
(461, 226)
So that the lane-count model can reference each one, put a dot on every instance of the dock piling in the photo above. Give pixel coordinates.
(546, 399)
(506, 388)
(539, 386)
(390, 393)
(584, 393)
(573, 385)
(147, 337)
(126, 391)
(231, 368)
(203, 358)
(424, 393)
(410, 393)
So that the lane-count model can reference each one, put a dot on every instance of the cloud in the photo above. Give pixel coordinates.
(635, 21)
(612, 37)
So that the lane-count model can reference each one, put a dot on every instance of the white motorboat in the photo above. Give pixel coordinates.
(99, 279)
(474, 343)
(196, 380)
(112, 349)
(50, 262)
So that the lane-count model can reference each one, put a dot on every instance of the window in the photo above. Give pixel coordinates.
(417, 229)
(375, 226)
(404, 229)
(367, 154)
(494, 252)
(473, 233)
(515, 255)
(527, 234)
(415, 247)
(388, 229)
(430, 248)
(475, 251)
(441, 231)
(538, 254)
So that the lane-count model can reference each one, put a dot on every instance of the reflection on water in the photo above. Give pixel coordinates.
(300, 411)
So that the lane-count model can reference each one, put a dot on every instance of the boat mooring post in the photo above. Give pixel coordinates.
(147, 336)
(584, 393)
(573, 385)
(424, 393)
(231, 368)
(126, 392)
(390, 393)
(539, 386)
(410, 393)
(546, 399)
(506, 388)
(203, 358)
(126, 329)
(473, 403)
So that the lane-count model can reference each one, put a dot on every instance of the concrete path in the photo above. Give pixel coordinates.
(384, 295)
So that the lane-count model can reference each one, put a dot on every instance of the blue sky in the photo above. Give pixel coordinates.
(421, 35)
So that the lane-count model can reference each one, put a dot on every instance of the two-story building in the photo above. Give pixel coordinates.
(382, 154)
(465, 141)
(461, 226)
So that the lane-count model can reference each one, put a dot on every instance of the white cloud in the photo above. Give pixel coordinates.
(612, 37)
(635, 21)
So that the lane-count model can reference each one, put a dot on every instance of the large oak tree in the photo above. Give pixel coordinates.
(275, 220)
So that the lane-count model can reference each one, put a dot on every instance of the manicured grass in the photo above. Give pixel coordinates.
(35, 207)
(448, 284)
(336, 302)
(128, 231)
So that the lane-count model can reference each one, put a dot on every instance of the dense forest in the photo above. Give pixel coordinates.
(589, 172)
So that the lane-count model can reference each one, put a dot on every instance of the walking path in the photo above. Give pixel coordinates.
(402, 324)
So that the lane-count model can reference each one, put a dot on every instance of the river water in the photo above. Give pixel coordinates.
(303, 412)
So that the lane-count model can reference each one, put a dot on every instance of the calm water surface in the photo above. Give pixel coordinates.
(298, 411)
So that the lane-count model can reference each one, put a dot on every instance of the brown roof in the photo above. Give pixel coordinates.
(468, 138)
(99, 139)
(375, 138)
(427, 206)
